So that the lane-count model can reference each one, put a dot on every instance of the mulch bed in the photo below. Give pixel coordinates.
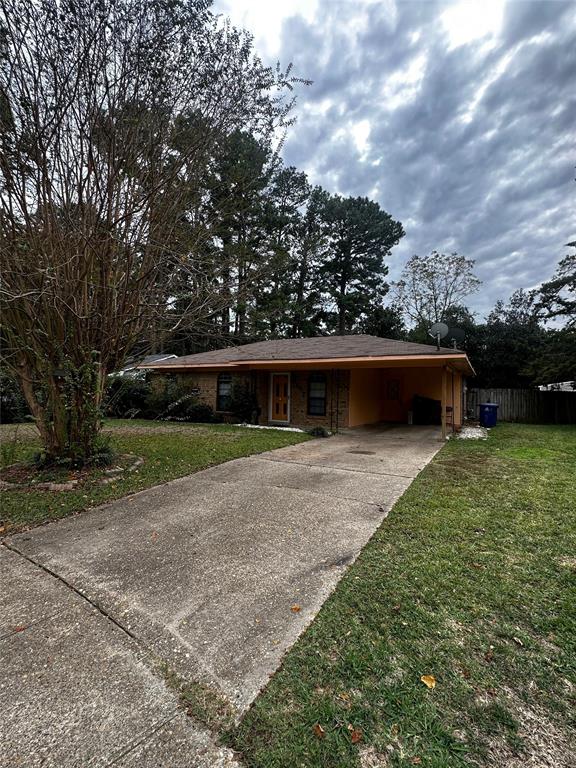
(25, 477)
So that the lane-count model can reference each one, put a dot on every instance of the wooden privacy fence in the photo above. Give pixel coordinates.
(530, 406)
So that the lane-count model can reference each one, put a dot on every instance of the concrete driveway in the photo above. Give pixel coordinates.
(218, 573)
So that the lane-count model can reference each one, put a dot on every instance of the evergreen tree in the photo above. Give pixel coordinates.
(511, 338)
(386, 322)
(556, 298)
(309, 251)
(241, 173)
(360, 237)
(286, 199)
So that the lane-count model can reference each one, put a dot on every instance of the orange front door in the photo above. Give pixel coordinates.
(280, 395)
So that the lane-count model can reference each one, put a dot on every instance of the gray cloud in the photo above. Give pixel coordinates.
(471, 147)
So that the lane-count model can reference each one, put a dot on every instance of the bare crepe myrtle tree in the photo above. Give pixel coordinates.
(111, 112)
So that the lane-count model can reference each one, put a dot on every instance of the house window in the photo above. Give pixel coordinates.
(224, 392)
(317, 394)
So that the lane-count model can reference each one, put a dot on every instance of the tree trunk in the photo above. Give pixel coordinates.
(240, 320)
(341, 300)
(341, 309)
(66, 410)
(300, 290)
(341, 321)
(226, 276)
(38, 412)
(242, 279)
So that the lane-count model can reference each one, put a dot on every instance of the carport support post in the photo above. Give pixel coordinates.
(444, 382)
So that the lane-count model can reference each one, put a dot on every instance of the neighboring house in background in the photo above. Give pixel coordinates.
(331, 381)
(134, 367)
(560, 386)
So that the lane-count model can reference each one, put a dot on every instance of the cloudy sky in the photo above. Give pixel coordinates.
(458, 117)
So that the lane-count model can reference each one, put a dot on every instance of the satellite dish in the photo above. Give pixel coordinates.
(438, 330)
(456, 335)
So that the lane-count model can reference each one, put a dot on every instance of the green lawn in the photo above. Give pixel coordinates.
(169, 449)
(471, 579)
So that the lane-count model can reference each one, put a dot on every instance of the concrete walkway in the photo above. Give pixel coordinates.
(215, 574)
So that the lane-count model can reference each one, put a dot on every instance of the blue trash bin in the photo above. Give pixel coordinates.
(488, 414)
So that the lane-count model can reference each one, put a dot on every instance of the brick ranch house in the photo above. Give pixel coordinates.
(331, 381)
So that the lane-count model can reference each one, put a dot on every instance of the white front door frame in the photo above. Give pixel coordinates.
(271, 395)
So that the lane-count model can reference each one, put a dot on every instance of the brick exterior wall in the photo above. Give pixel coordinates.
(337, 394)
(204, 385)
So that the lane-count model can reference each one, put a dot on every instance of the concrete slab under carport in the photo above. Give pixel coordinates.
(204, 571)
(395, 451)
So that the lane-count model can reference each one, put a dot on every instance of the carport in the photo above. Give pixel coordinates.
(394, 393)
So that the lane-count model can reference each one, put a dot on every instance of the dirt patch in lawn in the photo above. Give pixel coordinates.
(370, 758)
(18, 432)
(545, 745)
(465, 465)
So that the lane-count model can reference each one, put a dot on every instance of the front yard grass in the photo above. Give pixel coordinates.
(169, 450)
(471, 579)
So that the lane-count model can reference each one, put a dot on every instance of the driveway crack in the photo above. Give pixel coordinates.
(145, 737)
(70, 586)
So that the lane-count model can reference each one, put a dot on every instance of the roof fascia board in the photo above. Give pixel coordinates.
(384, 361)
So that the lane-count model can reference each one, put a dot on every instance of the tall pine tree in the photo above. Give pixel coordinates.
(360, 237)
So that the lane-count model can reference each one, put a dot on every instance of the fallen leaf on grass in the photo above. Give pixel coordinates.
(295, 608)
(416, 761)
(319, 732)
(429, 681)
(345, 698)
(356, 734)
(489, 655)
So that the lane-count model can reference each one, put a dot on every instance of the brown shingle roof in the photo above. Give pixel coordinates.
(317, 348)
